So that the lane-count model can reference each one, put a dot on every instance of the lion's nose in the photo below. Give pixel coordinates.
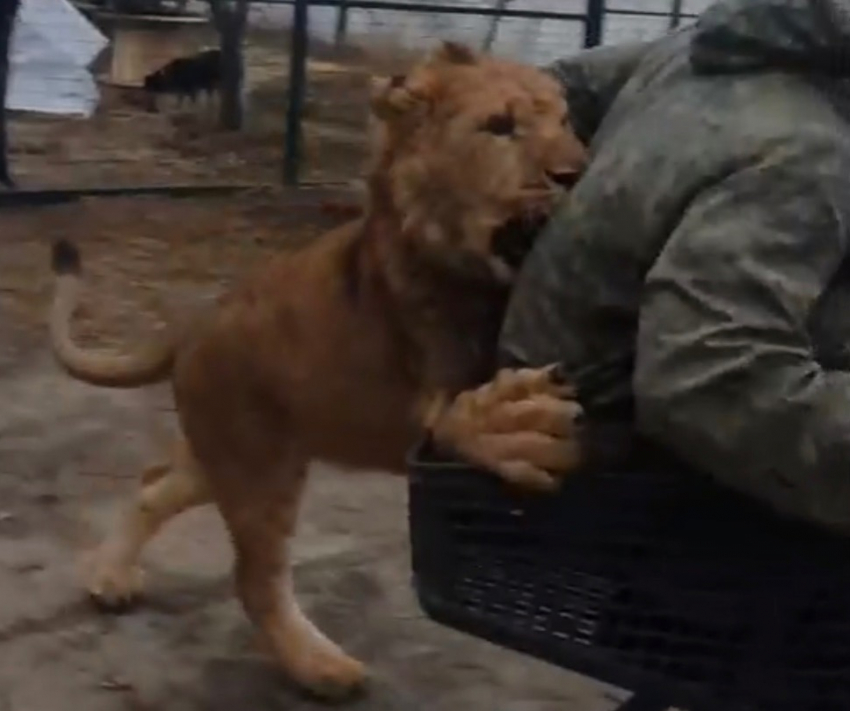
(565, 177)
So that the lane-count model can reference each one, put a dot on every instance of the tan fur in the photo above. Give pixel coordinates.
(339, 350)
(150, 364)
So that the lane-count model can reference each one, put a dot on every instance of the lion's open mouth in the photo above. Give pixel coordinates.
(514, 239)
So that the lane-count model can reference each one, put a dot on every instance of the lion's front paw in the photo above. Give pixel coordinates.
(523, 426)
(112, 585)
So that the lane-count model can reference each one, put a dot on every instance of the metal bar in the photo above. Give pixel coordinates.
(648, 13)
(479, 11)
(8, 13)
(341, 23)
(14, 198)
(297, 88)
(594, 23)
(437, 8)
(54, 196)
(493, 30)
(675, 13)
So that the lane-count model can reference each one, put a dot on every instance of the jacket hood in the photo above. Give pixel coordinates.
(795, 35)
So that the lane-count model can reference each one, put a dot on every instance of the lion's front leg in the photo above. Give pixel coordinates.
(524, 426)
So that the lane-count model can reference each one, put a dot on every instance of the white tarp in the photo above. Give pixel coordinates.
(53, 45)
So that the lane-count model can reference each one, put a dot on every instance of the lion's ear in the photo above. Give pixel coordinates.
(450, 52)
(406, 96)
(398, 96)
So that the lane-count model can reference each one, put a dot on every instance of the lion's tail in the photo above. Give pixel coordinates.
(150, 364)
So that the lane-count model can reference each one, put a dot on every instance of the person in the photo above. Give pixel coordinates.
(697, 281)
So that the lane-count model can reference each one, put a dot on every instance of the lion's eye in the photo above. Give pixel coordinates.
(500, 125)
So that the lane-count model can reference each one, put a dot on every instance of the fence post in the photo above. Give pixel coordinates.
(594, 22)
(675, 13)
(297, 89)
(493, 30)
(8, 13)
(231, 19)
(341, 23)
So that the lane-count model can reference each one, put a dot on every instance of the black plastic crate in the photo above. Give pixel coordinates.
(651, 579)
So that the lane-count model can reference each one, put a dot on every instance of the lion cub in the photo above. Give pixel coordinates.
(340, 350)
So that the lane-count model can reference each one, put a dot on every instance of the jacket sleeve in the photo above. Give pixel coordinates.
(591, 79)
(726, 376)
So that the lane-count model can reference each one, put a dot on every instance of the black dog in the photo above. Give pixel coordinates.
(186, 77)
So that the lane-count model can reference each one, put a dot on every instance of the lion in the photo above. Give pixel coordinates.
(349, 348)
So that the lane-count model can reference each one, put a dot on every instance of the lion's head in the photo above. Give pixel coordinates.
(473, 151)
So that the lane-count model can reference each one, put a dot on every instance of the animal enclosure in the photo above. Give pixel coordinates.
(69, 453)
(318, 135)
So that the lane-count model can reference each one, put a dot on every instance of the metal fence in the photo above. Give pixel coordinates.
(326, 51)
(591, 16)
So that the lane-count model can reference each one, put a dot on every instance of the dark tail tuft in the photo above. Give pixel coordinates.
(66, 257)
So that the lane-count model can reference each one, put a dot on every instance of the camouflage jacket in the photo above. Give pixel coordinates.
(698, 279)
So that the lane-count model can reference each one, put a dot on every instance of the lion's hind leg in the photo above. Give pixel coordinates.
(115, 577)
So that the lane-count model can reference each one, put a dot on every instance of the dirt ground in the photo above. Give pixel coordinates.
(69, 453)
(125, 144)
